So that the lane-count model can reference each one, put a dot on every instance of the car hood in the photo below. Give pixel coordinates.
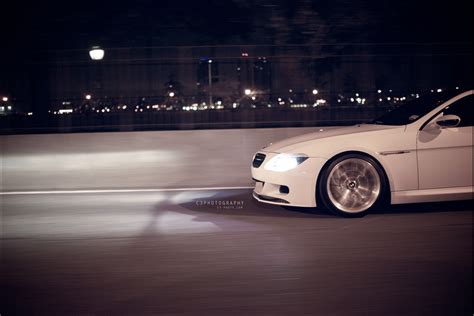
(287, 145)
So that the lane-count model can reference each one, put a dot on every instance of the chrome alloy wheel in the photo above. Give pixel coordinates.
(353, 185)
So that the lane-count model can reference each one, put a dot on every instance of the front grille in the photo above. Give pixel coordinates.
(258, 160)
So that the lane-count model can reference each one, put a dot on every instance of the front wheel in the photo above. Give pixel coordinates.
(351, 185)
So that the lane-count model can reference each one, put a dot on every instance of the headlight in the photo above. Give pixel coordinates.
(285, 162)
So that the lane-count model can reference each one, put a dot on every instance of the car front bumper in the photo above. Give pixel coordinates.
(300, 183)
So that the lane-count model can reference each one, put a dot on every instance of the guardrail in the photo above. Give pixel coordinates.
(158, 159)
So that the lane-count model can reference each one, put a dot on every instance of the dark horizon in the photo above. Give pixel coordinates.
(79, 25)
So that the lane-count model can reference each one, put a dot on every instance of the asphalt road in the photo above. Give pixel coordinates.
(221, 253)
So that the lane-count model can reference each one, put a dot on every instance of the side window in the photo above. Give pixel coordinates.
(464, 109)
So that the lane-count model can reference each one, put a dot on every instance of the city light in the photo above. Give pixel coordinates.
(319, 102)
(96, 53)
(315, 91)
(255, 99)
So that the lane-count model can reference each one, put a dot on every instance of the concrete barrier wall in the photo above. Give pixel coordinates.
(159, 159)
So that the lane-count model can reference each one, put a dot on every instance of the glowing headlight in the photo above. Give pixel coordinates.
(285, 162)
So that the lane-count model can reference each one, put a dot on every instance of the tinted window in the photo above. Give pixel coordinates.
(414, 109)
(464, 109)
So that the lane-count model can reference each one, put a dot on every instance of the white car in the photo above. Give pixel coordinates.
(418, 152)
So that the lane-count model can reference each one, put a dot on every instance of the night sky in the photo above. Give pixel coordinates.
(80, 24)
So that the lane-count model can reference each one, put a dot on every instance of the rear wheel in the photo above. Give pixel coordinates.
(351, 185)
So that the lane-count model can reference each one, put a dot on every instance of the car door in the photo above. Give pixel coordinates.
(445, 154)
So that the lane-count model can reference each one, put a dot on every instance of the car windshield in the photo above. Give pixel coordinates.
(412, 110)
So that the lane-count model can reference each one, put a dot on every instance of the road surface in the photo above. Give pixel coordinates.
(219, 252)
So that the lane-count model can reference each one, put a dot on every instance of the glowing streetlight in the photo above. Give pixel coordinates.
(88, 97)
(96, 53)
(247, 91)
(315, 91)
(171, 94)
(5, 99)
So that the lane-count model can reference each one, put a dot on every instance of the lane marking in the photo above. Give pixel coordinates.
(122, 190)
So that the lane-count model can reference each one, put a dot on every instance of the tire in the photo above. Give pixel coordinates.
(352, 185)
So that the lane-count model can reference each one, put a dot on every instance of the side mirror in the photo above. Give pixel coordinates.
(447, 121)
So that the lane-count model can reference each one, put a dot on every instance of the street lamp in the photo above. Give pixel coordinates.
(315, 91)
(96, 53)
(209, 69)
(5, 99)
(247, 91)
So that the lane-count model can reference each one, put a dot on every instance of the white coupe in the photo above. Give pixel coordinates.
(418, 152)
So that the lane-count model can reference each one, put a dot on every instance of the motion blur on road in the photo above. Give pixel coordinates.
(91, 226)
(218, 252)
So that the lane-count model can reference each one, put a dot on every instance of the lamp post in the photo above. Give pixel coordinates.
(96, 53)
(209, 70)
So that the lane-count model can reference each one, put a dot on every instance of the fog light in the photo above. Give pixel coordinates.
(284, 189)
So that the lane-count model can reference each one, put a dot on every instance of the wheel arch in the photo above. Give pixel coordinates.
(349, 152)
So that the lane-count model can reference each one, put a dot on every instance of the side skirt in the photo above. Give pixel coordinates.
(432, 195)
